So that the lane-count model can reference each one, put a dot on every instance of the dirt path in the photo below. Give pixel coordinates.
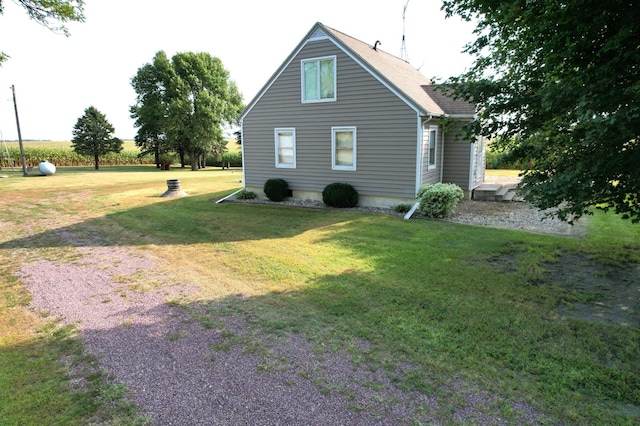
(185, 371)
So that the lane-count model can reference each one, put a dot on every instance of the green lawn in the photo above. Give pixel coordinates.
(481, 306)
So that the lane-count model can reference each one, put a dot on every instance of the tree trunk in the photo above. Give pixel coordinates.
(181, 153)
(96, 162)
(194, 161)
(156, 155)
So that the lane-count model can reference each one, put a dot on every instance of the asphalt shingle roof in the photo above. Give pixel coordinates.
(404, 77)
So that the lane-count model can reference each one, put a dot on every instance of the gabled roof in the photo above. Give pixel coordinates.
(399, 75)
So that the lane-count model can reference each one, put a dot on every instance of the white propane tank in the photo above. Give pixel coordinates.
(46, 168)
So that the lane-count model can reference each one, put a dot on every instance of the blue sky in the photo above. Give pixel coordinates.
(57, 77)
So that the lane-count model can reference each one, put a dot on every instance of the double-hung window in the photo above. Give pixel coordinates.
(432, 147)
(343, 148)
(285, 148)
(319, 79)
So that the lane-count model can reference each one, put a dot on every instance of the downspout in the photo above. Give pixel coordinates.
(244, 178)
(419, 153)
(244, 185)
(419, 159)
(221, 200)
(442, 158)
(471, 164)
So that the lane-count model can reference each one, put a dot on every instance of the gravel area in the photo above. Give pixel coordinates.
(511, 215)
(182, 371)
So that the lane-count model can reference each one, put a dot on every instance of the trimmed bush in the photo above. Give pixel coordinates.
(276, 189)
(340, 195)
(439, 200)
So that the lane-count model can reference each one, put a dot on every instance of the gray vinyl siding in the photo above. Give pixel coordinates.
(386, 131)
(457, 160)
(431, 176)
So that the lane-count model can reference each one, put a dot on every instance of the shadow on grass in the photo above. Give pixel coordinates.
(418, 294)
(361, 350)
(185, 220)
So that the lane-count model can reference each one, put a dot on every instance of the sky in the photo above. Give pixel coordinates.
(56, 77)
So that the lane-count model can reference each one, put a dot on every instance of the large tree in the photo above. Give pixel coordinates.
(185, 102)
(53, 14)
(557, 84)
(151, 109)
(92, 135)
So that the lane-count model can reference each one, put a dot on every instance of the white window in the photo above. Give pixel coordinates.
(432, 147)
(343, 148)
(319, 79)
(285, 148)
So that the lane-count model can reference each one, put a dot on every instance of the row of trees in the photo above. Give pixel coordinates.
(181, 106)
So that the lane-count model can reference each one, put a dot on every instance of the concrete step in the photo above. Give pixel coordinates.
(486, 192)
(494, 192)
(506, 193)
(509, 196)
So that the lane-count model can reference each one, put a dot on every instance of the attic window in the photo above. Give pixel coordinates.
(318, 35)
(319, 79)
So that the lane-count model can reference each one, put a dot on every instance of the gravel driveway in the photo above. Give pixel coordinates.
(183, 371)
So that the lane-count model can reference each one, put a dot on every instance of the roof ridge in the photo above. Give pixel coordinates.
(367, 44)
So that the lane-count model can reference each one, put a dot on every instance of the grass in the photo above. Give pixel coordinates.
(502, 172)
(461, 304)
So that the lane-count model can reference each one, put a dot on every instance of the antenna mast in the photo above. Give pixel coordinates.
(403, 50)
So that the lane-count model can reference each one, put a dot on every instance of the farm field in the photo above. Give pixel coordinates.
(61, 153)
(435, 322)
(129, 145)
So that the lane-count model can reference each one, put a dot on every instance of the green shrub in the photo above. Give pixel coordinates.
(497, 158)
(276, 189)
(340, 195)
(402, 208)
(439, 200)
(245, 195)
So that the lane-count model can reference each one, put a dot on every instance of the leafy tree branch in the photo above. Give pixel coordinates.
(557, 84)
(53, 14)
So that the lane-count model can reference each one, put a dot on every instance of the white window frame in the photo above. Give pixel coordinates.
(334, 131)
(276, 133)
(432, 163)
(302, 79)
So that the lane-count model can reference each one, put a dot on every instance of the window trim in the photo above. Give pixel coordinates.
(354, 131)
(432, 163)
(276, 133)
(335, 79)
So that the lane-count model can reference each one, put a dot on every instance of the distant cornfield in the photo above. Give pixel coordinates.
(61, 154)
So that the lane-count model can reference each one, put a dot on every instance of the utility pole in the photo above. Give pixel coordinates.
(15, 107)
